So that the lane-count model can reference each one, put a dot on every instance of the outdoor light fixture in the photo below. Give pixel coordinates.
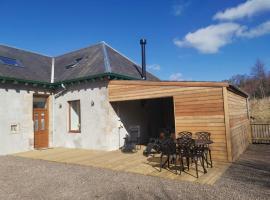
(92, 103)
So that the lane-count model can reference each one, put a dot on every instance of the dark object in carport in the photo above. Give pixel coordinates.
(153, 147)
(129, 144)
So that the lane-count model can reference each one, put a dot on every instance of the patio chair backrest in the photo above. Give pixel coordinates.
(134, 133)
(184, 141)
(203, 135)
(184, 134)
(129, 145)
(185, 145)
(168, 146)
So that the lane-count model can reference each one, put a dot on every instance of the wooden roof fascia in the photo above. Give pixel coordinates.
(238, 91)
(170, 83)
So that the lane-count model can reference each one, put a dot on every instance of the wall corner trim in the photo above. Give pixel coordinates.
(227, 124)
(249, 128)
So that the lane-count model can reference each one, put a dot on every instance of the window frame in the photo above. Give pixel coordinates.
(69, 117)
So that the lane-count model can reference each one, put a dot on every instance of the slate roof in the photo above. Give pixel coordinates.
(35, 67)
(94, 60)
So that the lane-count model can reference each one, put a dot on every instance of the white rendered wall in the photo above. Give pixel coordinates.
(99, 122)
(15, 108)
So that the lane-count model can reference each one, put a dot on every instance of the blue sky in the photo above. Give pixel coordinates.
(187, 40)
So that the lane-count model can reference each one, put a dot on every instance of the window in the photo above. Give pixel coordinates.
(71, 66)
(74, 116)
(74, 63)
(40, 102)
(10, 61)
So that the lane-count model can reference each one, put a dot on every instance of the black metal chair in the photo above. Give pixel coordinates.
(129, 144)
(184, 144)
(184, 134)
(205, 136)
(197, 153)
(168, 149)
(188, 150)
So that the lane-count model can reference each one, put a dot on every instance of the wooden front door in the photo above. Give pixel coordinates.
(40, 118)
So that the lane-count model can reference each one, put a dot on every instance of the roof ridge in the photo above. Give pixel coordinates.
(107, 63)
(121, 54)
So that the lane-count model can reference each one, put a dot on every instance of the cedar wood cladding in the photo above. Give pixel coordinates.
(198, 106)
(239, 123)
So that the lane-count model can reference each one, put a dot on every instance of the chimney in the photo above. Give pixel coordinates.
(143, 43)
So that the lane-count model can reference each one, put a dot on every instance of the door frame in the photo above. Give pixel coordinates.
(47, 123)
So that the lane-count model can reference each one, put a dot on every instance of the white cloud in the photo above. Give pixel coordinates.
(247, 9)
(260, 30)
(154, 67)
(210, 38)
(176, 77)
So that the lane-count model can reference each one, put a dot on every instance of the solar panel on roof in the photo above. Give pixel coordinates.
(10, 61)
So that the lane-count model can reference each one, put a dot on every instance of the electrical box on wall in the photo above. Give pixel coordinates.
(14, 128)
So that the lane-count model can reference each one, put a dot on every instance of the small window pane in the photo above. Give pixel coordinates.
(42, 122)
(36, 122)
(74, 116)
(40, 102)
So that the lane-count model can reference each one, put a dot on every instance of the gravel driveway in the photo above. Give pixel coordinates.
(21, 178)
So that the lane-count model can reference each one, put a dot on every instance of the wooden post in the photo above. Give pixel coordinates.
(249, 127)
(174, 116)
(227, 124)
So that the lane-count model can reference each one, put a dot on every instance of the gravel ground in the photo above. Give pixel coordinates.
(21, 178)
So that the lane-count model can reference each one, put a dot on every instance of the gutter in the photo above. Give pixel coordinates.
(53, 85)
(107, 75)
(19, 80)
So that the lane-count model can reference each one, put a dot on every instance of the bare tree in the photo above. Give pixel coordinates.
(259, 75)
(257, 84)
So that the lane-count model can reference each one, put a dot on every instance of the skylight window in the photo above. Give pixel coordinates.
(71, 65)
(74, 64)
(10, 61)
(78, 59)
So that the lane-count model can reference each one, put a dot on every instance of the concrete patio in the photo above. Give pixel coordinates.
(126, 162)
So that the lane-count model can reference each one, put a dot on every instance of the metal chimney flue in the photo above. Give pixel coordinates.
(143, 43)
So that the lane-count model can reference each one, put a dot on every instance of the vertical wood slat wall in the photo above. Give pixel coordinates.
(239, 123)
(202, 110)
(196, 108)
